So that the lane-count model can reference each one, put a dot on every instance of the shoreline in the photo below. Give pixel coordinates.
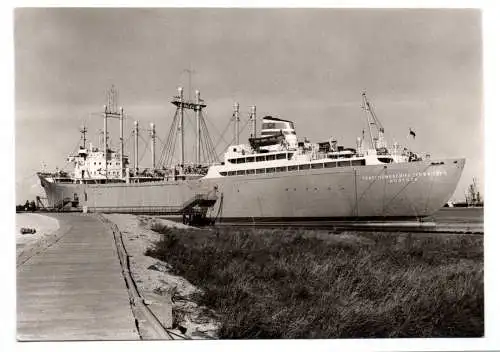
(27, 245)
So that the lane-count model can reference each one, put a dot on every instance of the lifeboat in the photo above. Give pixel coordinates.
(264, 141)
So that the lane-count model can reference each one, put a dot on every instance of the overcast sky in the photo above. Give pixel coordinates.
(420, 68)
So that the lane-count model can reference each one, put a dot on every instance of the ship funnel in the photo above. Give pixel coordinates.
(273, 126)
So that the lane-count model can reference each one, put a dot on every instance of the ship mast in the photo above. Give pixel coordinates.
(153, 144)
(111, 111)
(136, 146)
(84, 131)
(253, 118)
(236, 115)
(197, 106)
(198, 126)
(181, 127)
(121, 142)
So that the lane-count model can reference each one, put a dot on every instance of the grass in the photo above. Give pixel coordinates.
(305, 284)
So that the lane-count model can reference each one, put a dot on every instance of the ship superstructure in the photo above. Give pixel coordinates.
(275, 176)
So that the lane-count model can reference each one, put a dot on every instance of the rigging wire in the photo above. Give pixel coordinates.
(211, 124)
(168, 142)
(211, 153)
(172, 141)
(221, 137)
(233, 139)
(160, 140)
(145, 148)
(72, 153)
(127, 140)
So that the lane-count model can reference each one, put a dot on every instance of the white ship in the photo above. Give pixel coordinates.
(276, 176)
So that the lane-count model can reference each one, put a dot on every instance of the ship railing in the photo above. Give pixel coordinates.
(198, 204)
(146, 209)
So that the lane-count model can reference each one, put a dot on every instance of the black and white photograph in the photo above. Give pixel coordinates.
(239, 173)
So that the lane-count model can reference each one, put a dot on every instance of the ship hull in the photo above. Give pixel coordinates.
(121, 197)
(397, 191)
(387, 191)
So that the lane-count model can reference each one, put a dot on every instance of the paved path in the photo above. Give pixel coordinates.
(75, 290)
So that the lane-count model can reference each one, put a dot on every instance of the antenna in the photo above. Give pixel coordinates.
(112, 99)
(190, 72)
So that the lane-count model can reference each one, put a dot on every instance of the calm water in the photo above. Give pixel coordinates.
(459, 216)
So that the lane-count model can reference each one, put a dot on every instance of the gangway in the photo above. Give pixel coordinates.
(40, 204)
(193, 210)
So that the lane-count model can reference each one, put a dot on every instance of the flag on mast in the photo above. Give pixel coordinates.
(412, 133)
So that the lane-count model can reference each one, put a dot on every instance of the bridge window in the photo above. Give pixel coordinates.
(281, 156)
(304, 167)
(250, 172)
(276, 125)
(231, 173)
(240, 172)
(345, 163)
(260, 171)
(385, 160)
(261, 158)
(240, 160)
(293, 167)
(269, 126)
(317, 166)
(223, 173)
(250, 159)
(330, 164)
(281, 169)
(231, 161)
(270, 157)
(270, 170)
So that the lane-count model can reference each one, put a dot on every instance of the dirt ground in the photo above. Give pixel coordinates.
(155, 281)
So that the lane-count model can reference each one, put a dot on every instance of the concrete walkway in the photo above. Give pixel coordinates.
(75, 290)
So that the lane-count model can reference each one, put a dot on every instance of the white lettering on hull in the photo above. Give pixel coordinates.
(404, 177)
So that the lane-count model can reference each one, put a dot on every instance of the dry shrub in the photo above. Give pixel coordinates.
(296, 284)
